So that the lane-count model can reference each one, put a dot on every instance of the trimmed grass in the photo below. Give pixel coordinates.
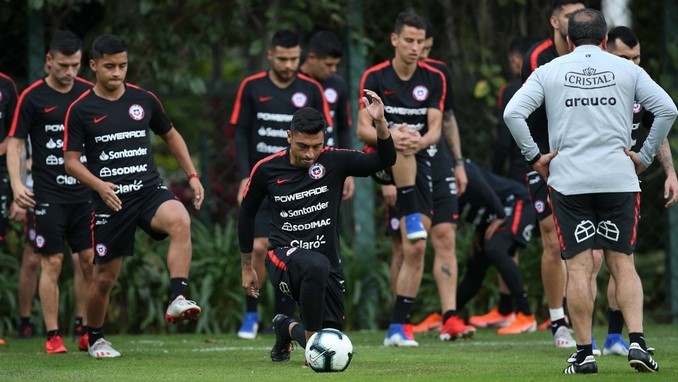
(488, 357)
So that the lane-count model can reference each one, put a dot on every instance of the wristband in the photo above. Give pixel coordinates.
(193, 175)
(459, 161)
(535, 159)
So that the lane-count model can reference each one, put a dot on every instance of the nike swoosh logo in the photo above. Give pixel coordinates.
(315, 357)
(50, 109)
(281, 181)
(408, 191)
(184, 283)
(265, 99)
(389, 92)
(99, 119)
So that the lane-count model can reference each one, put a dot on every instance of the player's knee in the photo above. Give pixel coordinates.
(318, 266)
(31, 262)
(104, 282)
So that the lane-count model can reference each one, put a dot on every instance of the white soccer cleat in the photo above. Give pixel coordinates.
(102, 349)
(182, 309)
(563, 338)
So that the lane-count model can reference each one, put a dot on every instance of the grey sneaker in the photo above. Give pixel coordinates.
(182, 309)
(563, 338)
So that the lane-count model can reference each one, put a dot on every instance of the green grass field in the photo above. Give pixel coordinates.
(488, 357)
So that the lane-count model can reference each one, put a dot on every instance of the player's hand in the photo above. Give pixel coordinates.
(16, 213)
(461, 179)
(241, 189)
(671, 190)
(250, 282)
(636, 161)
(198, 192)
(542, 165)
(106, 191)
(349, 188)
(23, 197)
(374, 105)
(492, 228)
(390, 194)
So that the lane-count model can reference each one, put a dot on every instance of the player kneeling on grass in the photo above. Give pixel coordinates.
(109, 122)
(304, 186)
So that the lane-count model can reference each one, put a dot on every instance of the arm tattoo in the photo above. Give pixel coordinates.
(665, 158)
(246, 260)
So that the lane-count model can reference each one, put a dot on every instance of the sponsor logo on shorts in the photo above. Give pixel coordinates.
(527, 232)
(290, 251)
(420, 93)
(312, 244)
(584, 230)
(136, 112)
(31, 234)
(608, 230)
(39, 241)
(41, 212)
(284, 288)
(299, 99)
(101, 249)
(316, 171)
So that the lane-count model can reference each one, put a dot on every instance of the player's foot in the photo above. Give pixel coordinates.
(522, 324)
(55, 345)
(588, 366)
(493, 318)
(182, 309)
(563, 338)
(641, 359)
(431, 322)
(544, 325)
(2, 342)
(615, 345)
(455, 328)
(83, 342)
(250, 326)
(414, 228)
(594, 347)
(26, 331)
(283, 341)
(400, 335)
(103, 349)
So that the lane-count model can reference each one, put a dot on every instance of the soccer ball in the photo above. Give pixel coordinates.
(329, 350)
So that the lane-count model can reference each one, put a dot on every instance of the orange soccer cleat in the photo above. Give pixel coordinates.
(432, 322)
(522, 324)
(492, 319)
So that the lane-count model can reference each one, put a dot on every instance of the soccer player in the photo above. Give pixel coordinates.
(111, 123)
(304, 186)
(8, 99)
(591, 172)
(323, 54)
(262, 113)
(499, 208)
(449, 178)
(552, 272)
(413, 93)
(61, 206)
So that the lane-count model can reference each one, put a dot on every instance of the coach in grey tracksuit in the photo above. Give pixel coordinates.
(594, 190)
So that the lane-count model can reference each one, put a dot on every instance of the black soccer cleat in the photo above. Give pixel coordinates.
(641, 360)
(588, 366)
(283, 341)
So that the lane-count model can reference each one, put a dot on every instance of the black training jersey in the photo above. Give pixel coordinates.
(116, 135)
(262, 114)
(640, 117)
(505, 147)
(443, 163)
(40, 114)
(336, 95)
(406, 101)
(304, 202)
(539, 54)
(8, 100)
(488, 196)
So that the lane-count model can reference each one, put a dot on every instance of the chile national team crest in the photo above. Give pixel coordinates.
(299, 99)
(316, 171)
(101, 249)
(420, 93)
(331, 95)
(136, 112)
(637, 107)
